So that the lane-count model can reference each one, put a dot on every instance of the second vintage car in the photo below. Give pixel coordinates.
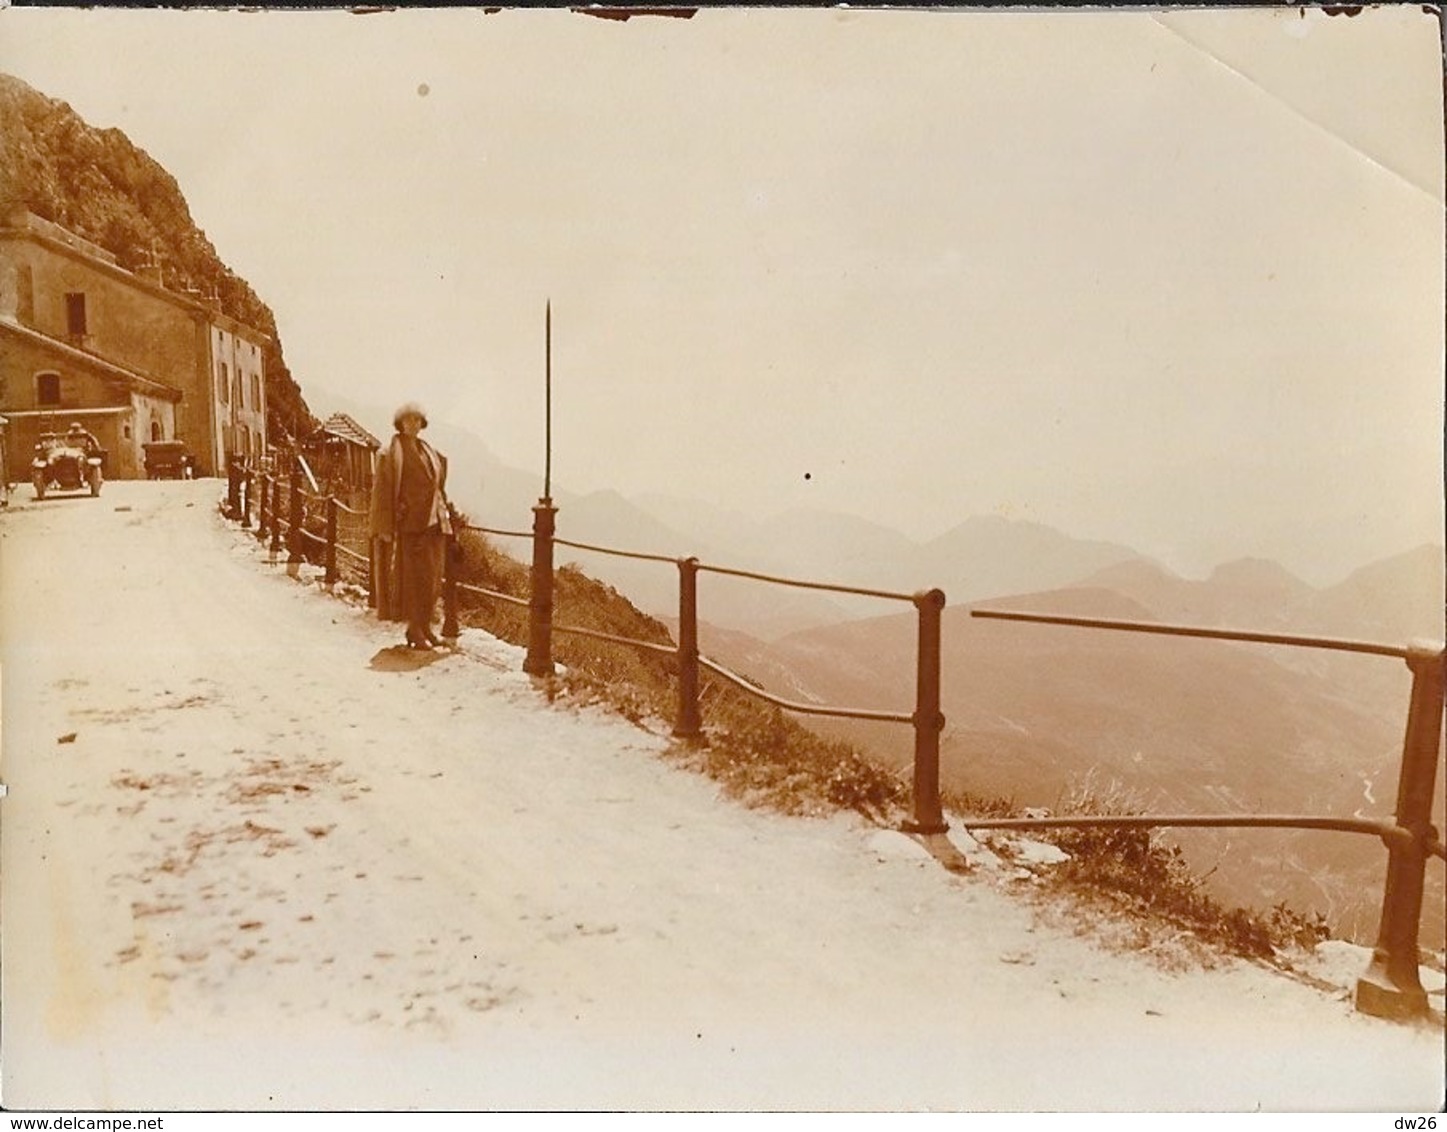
(169, 460)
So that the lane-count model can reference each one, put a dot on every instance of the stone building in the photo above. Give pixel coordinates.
(83, 339)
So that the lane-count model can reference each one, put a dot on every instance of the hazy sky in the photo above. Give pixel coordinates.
(1172, 279)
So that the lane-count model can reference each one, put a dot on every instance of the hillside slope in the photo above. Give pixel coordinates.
(263, 859)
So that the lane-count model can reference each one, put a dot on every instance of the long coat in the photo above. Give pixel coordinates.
(388, 487)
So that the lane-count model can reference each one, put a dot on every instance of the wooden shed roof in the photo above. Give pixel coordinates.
(343, 426)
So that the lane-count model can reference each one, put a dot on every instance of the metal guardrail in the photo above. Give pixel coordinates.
(927, 720)
(1391, 986)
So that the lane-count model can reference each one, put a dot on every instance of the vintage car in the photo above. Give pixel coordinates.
(169, 460)
(62, 464)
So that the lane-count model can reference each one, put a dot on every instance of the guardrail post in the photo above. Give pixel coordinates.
(374, 587)
(385, 579)
(450, 628)
(275, 516)
(293, 535)
(233, 486)
(539, 659)
(929, 722)
(688, 725)
(1392, 986)
(261, 510)
(330, 577)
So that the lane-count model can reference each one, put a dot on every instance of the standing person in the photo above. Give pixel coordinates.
(409, 509)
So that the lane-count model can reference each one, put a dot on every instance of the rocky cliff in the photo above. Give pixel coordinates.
(102, 187)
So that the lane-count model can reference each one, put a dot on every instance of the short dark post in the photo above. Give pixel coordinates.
(384, 575)
(261, 510)
(539, 660)
(233, 486)
(293, 536)
(330, 577)
(688, 725)
(929, 722)
(450, 627)
(275, 516)
(1392, 986)
(374, 588)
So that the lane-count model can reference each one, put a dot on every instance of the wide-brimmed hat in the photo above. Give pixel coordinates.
(411, 408)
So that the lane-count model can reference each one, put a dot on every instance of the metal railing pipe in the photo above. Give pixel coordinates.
(638, 555)
(1392, 986)
(482, 591)
(1386, 830)
(1338, 644)
(799, 583)
(803, 709)
(612, 638)
(496, 531)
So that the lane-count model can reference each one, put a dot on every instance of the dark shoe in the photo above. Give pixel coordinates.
(416, 640)
(432, 639)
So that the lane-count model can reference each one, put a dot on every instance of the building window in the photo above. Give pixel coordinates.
(222, 381)
(256, 392)
(126, 431)
(156, 430)
(47, 389)
(75, 314)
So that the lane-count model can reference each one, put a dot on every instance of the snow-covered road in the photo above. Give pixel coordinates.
(254, 858)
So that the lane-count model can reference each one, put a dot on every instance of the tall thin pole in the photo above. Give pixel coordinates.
(539, 659)
(548, 405)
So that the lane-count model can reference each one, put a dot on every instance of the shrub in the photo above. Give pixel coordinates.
(1140, 864)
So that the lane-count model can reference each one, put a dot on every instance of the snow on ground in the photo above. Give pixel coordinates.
(255, 856)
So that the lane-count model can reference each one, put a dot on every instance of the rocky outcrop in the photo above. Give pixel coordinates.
(100, 186)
